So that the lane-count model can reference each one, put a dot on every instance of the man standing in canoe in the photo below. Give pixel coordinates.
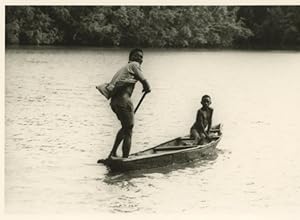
(123, 84)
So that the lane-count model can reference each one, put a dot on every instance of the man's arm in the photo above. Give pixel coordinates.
(146, 86)
(137, 72)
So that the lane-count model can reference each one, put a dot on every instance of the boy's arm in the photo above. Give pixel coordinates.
(210, 121)
(137, 72)
(200, 119)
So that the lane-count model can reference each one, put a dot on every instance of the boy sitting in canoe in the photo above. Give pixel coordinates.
(200, 129)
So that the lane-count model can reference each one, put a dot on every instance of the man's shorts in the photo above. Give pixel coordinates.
(124, 110)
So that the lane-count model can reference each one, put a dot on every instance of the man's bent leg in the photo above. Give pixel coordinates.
(118, 140)
(125, 114)
(127, 141)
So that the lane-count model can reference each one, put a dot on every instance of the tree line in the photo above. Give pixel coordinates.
(155, 26)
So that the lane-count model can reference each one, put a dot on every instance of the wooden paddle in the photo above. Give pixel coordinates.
(140, 102)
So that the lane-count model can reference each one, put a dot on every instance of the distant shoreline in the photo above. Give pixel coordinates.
(193, 27)
(18, 46)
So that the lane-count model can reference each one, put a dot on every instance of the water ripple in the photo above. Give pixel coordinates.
(57, 126)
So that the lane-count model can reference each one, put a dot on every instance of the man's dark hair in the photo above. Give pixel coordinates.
(133, 51)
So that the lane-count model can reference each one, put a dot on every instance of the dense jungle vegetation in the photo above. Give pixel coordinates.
(250, 27)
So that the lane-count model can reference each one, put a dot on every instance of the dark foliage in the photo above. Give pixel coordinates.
(273, 27)
(154, 26)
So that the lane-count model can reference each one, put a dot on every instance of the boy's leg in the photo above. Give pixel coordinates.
(203, 139)
(195, 135)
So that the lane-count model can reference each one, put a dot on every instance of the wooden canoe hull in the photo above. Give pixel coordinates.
(161, 160)
(148, 159)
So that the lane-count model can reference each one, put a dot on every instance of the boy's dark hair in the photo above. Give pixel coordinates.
(204, 97)
(133, 51)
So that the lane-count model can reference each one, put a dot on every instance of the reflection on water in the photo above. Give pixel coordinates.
(130, 182)
(57, 126)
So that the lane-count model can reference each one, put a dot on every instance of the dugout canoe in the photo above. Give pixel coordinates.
(178, 150)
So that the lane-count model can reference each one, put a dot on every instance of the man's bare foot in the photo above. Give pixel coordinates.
(101, 161)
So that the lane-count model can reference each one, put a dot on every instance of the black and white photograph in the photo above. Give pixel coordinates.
(151, 109)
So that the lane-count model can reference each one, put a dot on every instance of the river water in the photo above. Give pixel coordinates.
(58, 126)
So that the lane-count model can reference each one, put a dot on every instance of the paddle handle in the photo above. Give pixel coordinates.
(140, 102)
